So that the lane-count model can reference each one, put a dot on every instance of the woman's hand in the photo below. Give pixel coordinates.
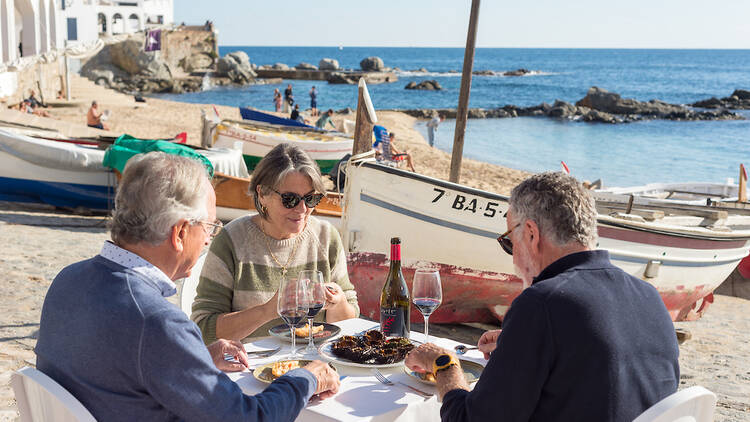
(334, 296)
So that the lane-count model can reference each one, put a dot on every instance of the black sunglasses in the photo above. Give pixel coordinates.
(505, 241)
(291, 199)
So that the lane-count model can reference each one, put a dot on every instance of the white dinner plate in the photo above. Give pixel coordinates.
(282, 331)
(472, 372)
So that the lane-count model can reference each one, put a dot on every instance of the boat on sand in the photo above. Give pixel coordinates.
(685, 253)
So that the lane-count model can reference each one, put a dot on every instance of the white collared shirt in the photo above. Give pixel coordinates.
(134, 262)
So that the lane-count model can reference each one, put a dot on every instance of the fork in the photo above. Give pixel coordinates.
(255, 354)
(388, 382)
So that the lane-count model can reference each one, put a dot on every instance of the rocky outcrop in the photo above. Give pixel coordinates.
(280, 66)
(236, 66)
(372, 64)
(739, 100)
(342, 78)
(430, 85)
(306, 66)
(483, 72)
(517, 72)
(328, 64)
(598, 105)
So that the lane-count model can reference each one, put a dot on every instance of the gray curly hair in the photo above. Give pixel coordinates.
(158, 190)
(564, 211)
(282, 160)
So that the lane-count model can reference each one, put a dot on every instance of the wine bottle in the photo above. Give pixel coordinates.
(394, 299)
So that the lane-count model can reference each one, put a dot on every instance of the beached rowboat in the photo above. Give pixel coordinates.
(453, 228)
(56, 173)
(257, 140)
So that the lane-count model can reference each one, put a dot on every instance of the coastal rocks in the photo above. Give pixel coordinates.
(429, 85)
(739, 100)
(600, 106)
(129, 56)
(280, 66)
(483, 73)
(328, 64)
(236, 66)
(342, 78)
(306, 66)
(372, 64)
(517, 72)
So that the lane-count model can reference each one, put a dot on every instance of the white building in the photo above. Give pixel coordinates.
(31, 27)
(86, 20)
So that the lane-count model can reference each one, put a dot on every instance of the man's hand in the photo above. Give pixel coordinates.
(488, 342)
(328, 378)
(233, 348)
(421, 359)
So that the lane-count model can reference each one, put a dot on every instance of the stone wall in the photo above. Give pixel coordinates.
(189, 49)
(50, 76)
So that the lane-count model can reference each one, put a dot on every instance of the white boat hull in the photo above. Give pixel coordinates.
(454, 228)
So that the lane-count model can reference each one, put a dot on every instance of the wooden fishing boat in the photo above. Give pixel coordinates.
(257, 116)
(233, 200)
(685, 253)
(56, 173)
(256, 140)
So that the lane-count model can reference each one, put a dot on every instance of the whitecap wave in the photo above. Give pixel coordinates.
(406, 73)
(415, 73)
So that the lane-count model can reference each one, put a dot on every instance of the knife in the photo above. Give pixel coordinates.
(416, 390)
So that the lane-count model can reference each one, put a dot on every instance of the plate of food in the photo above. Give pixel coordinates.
(269, 372)
(370, 350)
(321, 332)
(472, 372)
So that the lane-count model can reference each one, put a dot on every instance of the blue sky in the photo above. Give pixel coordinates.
(443, 23)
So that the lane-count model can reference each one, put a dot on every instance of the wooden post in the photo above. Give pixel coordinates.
(742, 188)
(366, 119)
(463, 98)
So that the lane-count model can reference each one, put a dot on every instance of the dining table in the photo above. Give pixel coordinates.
(361, 397)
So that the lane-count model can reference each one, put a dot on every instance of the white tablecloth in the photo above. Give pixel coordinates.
(361, 397)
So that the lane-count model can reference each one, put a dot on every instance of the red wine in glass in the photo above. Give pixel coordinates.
(426, 305)
(316, 298)
(427, 293)
(292, 306)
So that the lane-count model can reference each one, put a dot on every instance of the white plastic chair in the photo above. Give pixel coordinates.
(40, 398)
(694, 404)
(189, 286)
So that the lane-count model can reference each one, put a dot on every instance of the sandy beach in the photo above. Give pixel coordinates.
(37, 242)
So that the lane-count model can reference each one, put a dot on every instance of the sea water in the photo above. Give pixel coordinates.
(620, 155)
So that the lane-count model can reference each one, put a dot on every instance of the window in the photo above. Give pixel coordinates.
(72, 29)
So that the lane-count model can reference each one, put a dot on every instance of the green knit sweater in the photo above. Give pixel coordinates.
(240, 273)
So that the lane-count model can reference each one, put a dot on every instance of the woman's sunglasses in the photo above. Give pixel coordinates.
(291, 199)
(505, 241)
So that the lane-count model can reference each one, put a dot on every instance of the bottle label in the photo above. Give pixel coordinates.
(393, 322)
(395, 252)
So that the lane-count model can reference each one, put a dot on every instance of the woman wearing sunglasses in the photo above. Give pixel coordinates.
(236, 296)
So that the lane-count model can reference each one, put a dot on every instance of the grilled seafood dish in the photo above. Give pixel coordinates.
(372, 347)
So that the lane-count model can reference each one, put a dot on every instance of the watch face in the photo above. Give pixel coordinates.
(442, 360)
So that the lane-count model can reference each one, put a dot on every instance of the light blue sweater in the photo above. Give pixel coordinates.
(110, 338)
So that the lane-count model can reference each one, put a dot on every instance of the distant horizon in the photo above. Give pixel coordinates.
(589, 24)
(485, 47)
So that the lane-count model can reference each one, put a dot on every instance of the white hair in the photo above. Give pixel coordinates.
(156, 192)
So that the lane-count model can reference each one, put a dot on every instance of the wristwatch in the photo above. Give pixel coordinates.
(443, 361)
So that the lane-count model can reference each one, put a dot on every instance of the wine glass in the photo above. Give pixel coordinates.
(427, 295)
(316, 298)
(292, 306)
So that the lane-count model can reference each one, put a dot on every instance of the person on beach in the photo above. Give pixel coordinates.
(325, 120)
(432, 126)
(313, 101)
(288, 99)
(94, 117)
(277, 99)
(295, 114)
(109, 336)
(34, 101)
(390, 154)
(237, 292)
(584, 342)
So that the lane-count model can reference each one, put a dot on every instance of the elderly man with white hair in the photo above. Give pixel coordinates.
(584, 342)
(109, 336)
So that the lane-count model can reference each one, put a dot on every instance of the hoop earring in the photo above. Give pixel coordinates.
(264, 209)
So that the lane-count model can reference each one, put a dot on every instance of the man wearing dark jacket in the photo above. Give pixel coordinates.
(584, 342)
